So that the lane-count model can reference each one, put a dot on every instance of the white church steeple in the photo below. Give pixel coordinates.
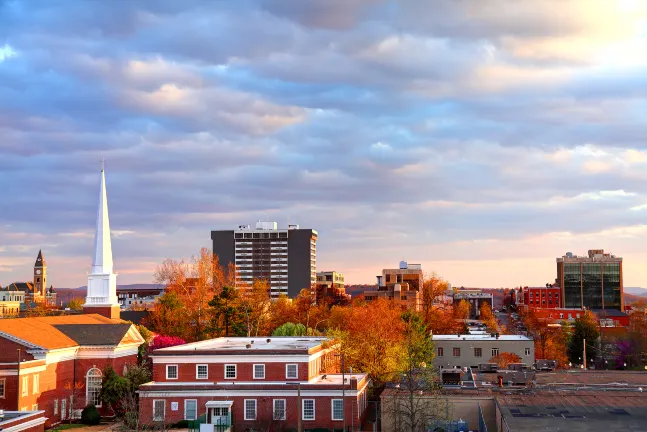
(102, 282)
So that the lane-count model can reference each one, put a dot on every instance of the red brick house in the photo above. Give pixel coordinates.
(55, 364)
(252, 383)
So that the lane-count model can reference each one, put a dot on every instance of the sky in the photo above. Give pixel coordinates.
(480, 139)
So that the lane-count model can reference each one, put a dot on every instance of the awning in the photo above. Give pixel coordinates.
(219, 404)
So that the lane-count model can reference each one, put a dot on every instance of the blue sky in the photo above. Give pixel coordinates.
(481, 139)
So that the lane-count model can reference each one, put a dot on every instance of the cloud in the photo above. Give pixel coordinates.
(452, 133)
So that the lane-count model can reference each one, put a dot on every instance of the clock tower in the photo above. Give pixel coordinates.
(40, 275)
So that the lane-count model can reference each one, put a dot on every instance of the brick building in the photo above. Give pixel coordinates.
(55, 364)
(254, 383)
(540, 297)
(22, 421)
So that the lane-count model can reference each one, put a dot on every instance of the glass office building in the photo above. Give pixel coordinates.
(593, 281)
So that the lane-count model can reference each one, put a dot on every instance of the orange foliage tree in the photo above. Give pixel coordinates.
(504, 359)
(486, 315)
(550, 341)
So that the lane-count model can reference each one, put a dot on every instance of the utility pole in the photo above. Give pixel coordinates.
(18, 384)
(343, 391)
(584, 355)
(300, 412)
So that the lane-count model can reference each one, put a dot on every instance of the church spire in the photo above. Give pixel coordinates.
(102, 260)
(40, 261)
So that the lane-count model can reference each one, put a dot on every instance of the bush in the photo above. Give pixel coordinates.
(90, 415)
(182, 424)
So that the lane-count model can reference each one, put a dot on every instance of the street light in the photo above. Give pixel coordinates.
(299, 408)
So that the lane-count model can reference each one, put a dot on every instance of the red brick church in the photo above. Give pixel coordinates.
(54, 364)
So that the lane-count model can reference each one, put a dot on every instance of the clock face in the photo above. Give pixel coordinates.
(37, 271)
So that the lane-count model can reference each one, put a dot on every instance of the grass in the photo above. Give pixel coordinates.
(66, 426)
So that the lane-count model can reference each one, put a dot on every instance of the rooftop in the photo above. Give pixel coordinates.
(282, 343)
(486, 336)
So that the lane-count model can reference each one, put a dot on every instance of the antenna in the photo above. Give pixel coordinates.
(103, 164)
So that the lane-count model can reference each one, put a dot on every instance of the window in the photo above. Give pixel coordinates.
(159, 410)
(25, 386)
(440, 352)
(230, 371)
(495, 352)
(36, 384)
(63, 409)
(278, 409)
(291, 371)
(561, 315)
(55, 406)
(250, 409)
(259, 371)
(190, 409)
(93, 387)
(478, 352)
(337, 409)
(456, 352)
(34, 407)
(201, 371)
(308, 409)
(171, 371)
(527, 351)
(2, 385)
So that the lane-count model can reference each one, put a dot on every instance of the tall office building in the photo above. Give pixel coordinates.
(286, 258)
(593, 281)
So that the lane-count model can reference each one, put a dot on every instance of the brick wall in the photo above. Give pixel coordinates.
(216, 371)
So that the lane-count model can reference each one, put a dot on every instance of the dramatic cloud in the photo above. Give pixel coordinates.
(482, 139)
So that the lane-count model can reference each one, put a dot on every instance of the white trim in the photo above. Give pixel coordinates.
(106, 352)
(21, 341)
(225, 371)
(254, 371)
(241, 393)
(303, 409)
(286, 371)
(245, 409)
(197, 375)
(177, 371)
(87, 402)
(285, 408)
(26, 425)
(332, 409)
(164, 412)
(252, 357)
(196, 408)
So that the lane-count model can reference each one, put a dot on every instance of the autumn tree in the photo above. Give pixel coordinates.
(254, 305)
(504, 359)
(462, 310)
(168, 316)
(433, 288)
(281, 311)
(584, 328)
(486, 315)
(370, 338)
(550, 341)
(227, 316)
(441, 320)
(75, 304)
(195, 282)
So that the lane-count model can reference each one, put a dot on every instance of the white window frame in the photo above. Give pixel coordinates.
(254, 370)
(285, 408)
(163, 411)
(235, 371)
(332, 409)
(287, 368)
(495, 350)
(25, 385)
(197, 372)
(63, 409)
(196, 409)
(303, 410)
(36, 384)
(527, 351)
(177, 371)
(245, 409)
(55, 406)
(87, 387)
(4, 388)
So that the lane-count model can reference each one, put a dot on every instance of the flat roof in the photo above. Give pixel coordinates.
(481, 337)
(283, 343)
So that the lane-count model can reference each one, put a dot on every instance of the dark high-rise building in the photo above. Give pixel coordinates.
(593, 281)
(286, 258)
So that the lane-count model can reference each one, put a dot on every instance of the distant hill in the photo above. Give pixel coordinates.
(636, 291)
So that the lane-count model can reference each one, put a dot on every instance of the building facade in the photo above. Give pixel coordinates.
(330, 287)
(36, 291)
(475, 297)
(593, 281)
(255, 383)
(12, 301)
(470, 350)
(286, 258)
(129, 297)
(548, 297)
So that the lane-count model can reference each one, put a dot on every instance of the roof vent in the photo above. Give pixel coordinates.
(252, 341)
(248, 346)
(269, 340)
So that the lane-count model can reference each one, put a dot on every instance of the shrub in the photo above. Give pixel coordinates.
(90, 415)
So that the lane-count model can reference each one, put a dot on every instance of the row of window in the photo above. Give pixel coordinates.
(202, 371)
(543, 294)
(478, 352)
(25, 385)
(279, 406)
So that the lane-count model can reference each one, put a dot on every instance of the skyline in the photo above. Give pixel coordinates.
(481, 146)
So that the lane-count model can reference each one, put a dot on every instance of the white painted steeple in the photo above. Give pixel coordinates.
(102, 282)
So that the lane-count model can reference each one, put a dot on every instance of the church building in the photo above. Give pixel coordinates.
(55, 364)
(34, 292)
